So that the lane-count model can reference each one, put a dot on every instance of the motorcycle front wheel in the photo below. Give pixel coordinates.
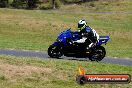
(54, 51)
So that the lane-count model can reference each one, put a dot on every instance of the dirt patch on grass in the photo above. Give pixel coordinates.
(18, 20)
(11, 71)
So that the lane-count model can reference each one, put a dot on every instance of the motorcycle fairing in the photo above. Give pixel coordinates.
(68, 34)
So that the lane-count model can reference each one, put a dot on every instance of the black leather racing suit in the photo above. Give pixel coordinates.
(88, 36)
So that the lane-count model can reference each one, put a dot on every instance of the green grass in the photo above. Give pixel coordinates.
(100, 6)
(36, 30)
(37, 73)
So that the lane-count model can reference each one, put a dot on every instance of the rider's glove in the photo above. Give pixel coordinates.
(70, 41)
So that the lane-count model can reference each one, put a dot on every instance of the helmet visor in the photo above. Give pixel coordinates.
(80, 26)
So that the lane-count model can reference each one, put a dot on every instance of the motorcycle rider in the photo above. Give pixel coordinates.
(88, 35)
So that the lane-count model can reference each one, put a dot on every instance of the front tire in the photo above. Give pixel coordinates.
(98, 54)
(54, 51)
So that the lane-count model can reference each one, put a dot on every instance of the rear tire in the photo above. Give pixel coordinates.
(97, 54)
(54, 51)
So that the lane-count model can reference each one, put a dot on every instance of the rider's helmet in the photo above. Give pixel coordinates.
(82, 25)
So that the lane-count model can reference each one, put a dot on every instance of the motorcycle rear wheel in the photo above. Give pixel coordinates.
(97, 54)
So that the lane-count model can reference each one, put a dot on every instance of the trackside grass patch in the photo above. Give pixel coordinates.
(37, 29)
(53, 73)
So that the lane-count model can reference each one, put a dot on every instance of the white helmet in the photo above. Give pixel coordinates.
(82, 24)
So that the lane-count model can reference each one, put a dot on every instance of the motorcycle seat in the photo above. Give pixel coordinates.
(103, 37)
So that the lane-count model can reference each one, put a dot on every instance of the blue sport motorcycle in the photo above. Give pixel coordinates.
(62, 47)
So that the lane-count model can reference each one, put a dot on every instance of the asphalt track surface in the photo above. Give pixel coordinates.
(44, 55)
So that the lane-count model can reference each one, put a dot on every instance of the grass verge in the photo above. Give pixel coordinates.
(100, 6)
(36, 30)
(53, 73)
